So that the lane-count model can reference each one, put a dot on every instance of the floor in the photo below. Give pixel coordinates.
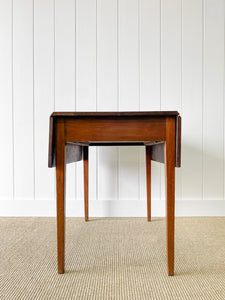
(112, 258)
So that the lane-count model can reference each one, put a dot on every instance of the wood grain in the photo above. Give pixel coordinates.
(115, 113)
(61, 193)
(178, 142)
(102, 120)
(115, 129)
(148, 180)
(122, 129)
(85, 158)
(158, 149)
(169, 153)
(73, 151)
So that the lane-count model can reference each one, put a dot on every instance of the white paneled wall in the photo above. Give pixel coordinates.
(192, 99)
(43, 94)
(111, 55)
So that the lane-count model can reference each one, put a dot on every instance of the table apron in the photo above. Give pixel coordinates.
(119, 129)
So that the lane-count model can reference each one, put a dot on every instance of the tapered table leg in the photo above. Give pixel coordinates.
(169, 159)
(86, 183)
(148, 180)
(60, 188)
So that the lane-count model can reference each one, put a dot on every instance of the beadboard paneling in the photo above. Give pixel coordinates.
(23, 99)
(192, 101)
(6, 102)
(213, 100)
(43, 95)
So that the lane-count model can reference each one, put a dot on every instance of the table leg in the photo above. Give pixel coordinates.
(60, 187)
(86, 182)
(169, 152)
(148, 180)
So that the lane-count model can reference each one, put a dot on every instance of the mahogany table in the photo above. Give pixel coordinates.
(71, 134)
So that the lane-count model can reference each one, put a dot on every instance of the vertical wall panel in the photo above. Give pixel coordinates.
(23, 98)
(192, 64)
(86, 55)
(86, 78)
(43, 94)
(65, 69)
(171, 98)
(107, 92)
(213, 103)
(128, 55)
(107, 55)
(171, 54)
(149, 55)
(149, 80)
(128, 92)
(6, 101)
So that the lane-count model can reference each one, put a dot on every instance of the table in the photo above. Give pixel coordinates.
(72, 133)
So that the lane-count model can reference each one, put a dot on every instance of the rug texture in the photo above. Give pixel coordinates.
(112, 258)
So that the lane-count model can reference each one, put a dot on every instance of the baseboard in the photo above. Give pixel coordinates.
(108, 208)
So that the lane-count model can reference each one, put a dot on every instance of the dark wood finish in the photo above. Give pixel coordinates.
(148, 180)
(119, 129)
(85, 153)
(73, 152)
(115, 114)
(51, 144)
(158, 149)
(170, 190)
(158, 153)
(72, 133)
(148, 143)
(60, 186)
(178, 142)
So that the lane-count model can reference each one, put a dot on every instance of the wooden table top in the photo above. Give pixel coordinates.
(115, 114)
(74, 149)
